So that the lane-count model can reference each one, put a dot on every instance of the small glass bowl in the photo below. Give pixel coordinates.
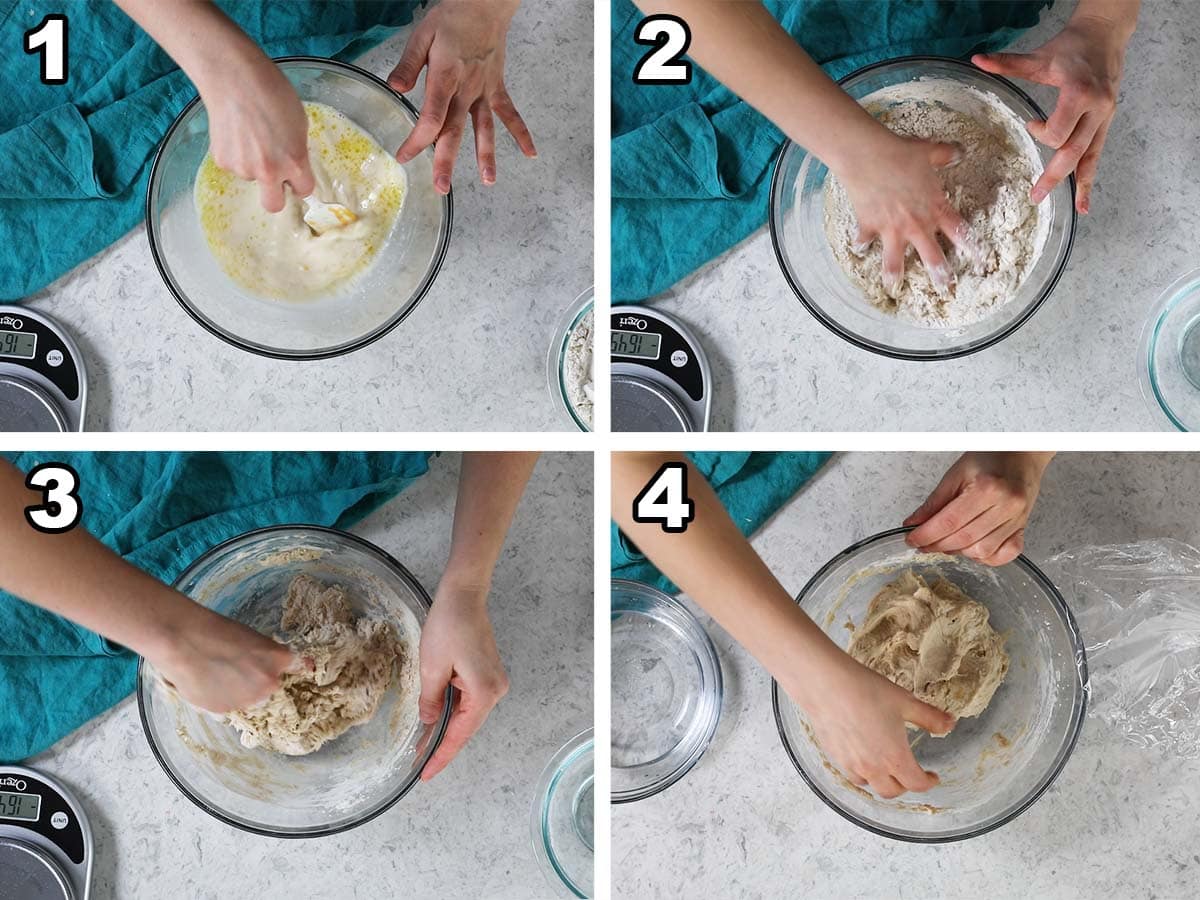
(563, 818)
(556, 359)
(666, 691)
(993, 766)
(1170, 355)
(353, 778)
(797, 210)
(372, 303)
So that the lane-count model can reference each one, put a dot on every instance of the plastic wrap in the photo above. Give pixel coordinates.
(1138, 607)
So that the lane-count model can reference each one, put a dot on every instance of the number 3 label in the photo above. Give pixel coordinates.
(664, 500)
(49, 38)
(670, 37)
(61, 508)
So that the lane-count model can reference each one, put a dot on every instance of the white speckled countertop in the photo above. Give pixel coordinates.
(1118, 822)
(463, 835)
(1072, 367)
(520, 253)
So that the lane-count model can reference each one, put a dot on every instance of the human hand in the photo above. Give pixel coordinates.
(462, 42)
(458, 649)
(1084, 61)
(899, 200)
(858, 719)
(980, 507)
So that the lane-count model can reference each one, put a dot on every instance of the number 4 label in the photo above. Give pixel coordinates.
(49, 38)
(664, 500)
(670, 37)
(61, 508)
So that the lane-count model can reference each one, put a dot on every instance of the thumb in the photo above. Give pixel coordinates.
(433, 695)
(928, 717)
(1013, 65)
(943, 156)
(942, 494)
(412, 60)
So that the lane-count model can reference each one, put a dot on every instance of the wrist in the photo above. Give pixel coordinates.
(858, 147)
(1112, 25)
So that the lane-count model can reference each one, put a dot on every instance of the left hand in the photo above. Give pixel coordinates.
(462, 42)
(1084, 61)
(459, 649)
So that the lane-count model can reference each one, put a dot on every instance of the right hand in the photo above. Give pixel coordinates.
(859, 719)
(899, 200)
(259, 131)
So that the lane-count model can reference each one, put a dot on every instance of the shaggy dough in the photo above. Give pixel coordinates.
(933, 640)
(989, 188)
(354, 662)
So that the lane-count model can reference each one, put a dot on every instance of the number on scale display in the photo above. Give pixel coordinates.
(23, 807)
(19, 344)
(636, 344)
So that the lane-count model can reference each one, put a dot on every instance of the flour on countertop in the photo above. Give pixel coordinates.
(989, 188)
(577, 369)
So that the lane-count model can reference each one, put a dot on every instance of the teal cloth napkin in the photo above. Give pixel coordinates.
(691, 164)
(75, 158)
(752, 486)
(160, 511)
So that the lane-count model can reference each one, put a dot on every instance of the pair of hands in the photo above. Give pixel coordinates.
(898, 198)
(260, 133)
(220, 665)
(978, 509)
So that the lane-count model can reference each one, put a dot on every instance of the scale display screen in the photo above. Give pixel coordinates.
(18, 344)
(636, 344)
(21, 807)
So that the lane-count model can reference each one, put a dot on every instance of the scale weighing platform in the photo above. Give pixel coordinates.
(45, 839)
(661, 380)
(43, 385)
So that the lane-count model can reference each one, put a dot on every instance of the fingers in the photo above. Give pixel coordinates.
(961, 510)
(403, 78)
(943, 156)
(968, 245)
(434, 682)
(441, 85)
(942, 494)
(931, 254)
(893, 264)
(485, 141)
(886, 786)
(932, 719)
(863, 239)
(270, 194)
(474, 706)
(1085, 172)
(1000, 547)
(1012, 65)
(300, 177)
(1063, 163)
(1009, 550)
(445, 151)
(506, 111)
(977, 529)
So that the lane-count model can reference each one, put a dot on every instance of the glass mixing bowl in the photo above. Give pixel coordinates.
(993, 766)
(797, 210)
(666, 691)
(556, 359)
(351, 779)
(1170, 355)
(371, 304)
(563, 817)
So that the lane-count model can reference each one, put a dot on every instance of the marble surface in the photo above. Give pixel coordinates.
(463, 835)
(1073, 367)
(1118, 822)
(520, 253)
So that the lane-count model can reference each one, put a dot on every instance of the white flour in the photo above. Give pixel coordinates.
(577, 369)
(989, 188)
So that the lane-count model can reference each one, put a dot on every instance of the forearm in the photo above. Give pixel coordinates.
(742, 46)
(716, 566)
(490, 486)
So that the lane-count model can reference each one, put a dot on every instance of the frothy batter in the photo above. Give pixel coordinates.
(276, 255)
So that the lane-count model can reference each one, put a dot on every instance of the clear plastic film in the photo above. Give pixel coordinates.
(1138, 607)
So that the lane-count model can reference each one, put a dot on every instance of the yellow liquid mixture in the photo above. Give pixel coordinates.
(277, 255)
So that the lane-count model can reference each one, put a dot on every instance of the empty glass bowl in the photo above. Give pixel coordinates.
(563, 817)
(797, 212)
(666, 691)
(365, 309)
(993, 766)
(556, 360)
(1170, 355)
(351, 779)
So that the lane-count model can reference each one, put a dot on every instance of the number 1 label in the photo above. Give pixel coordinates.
(49, 38)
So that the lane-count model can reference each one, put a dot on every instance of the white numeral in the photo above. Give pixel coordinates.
(50, 39)
(664, 500)
(60, 509)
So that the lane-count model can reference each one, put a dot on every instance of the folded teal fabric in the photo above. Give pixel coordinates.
(75, 158)
(752, 486)
(160, 511)
(691, 164)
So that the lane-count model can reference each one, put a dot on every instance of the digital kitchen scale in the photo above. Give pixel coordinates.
(660, 376)
(43, 385)
(45, 839)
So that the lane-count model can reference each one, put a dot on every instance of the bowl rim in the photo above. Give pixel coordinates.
(1185, 285)
(704, 644)
(775, 226)
(1065, 753)
(434, 742)
(427, 280)
(575, 748)
(563, 329)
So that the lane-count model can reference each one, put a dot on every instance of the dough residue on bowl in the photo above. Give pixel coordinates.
(276, 255)
(935, 641)
(577, 369)
(989, 188)
(354, 663)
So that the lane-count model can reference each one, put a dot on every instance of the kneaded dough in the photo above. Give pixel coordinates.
(354, 662)
(933, 640)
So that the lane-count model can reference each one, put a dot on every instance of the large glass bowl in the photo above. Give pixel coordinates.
(371, 304)
(556, 359)
(563, 818)
(1170, 355)
(351, 779)
(797, 209)
(993, 766)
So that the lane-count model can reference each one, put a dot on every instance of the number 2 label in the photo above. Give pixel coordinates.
(664, 500)
(49, 38)
(670, 37)
(61, 508)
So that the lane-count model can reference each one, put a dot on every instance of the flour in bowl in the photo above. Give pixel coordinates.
(577, 369)
(989, 188)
